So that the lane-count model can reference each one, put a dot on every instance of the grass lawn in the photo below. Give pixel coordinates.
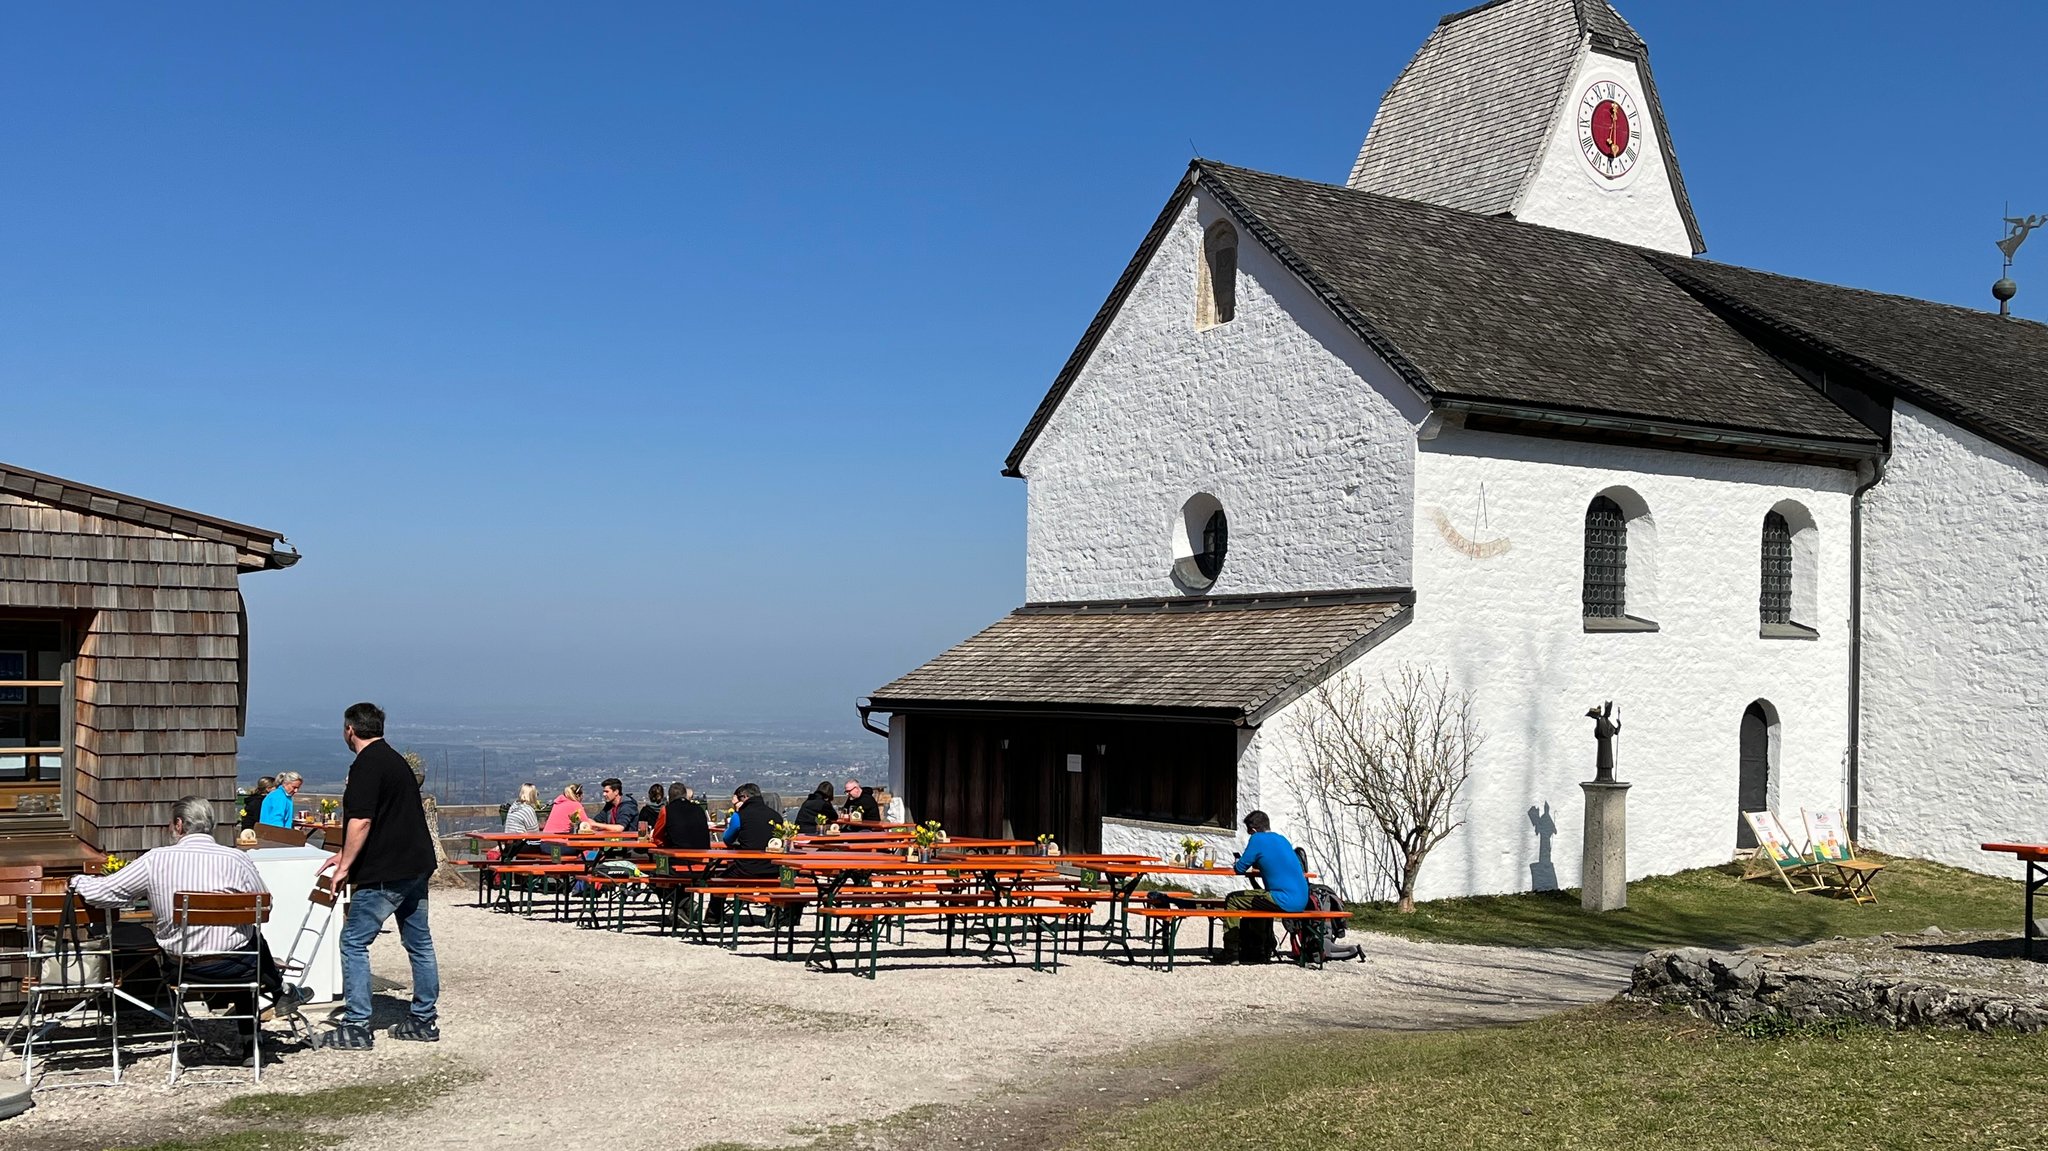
(287, 1116)
(1714, 907)
(1608, 1077)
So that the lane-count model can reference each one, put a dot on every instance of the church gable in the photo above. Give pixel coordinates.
(1544, 110)
(1190, 398)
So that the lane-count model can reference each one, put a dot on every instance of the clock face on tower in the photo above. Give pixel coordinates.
(1609, 133)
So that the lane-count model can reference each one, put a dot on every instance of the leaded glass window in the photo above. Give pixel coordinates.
(1606, 589)
(1775, 602)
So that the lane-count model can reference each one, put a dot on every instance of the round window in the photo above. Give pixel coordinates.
(1201, 541)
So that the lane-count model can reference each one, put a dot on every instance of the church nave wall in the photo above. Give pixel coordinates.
(1955, 674)
(1499, 562)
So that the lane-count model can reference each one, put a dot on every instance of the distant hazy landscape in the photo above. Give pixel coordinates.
(479, 763)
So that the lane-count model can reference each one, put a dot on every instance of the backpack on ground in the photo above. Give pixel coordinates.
(1320, 940)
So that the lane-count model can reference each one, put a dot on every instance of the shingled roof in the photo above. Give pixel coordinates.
(259, 546)
(1983, 371)
(1237, 659)
(1478, 310)
(1498, 73)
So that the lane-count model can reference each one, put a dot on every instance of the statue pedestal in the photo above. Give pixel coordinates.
(1603, 862)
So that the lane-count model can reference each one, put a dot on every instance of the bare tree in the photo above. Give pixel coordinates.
(1397, 754)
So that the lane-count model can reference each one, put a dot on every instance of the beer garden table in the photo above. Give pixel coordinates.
(2035, 856)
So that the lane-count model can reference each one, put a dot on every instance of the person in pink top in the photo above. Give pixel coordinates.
(567, 813)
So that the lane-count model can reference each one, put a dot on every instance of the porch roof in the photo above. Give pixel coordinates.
(1230, 658)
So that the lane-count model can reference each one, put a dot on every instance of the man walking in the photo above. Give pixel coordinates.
(389, 857)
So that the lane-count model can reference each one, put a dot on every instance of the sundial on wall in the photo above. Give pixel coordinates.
(1476, 538)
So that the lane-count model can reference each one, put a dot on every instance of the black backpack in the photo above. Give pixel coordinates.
(1317, 941)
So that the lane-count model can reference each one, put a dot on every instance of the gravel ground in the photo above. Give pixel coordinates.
(696, 1038)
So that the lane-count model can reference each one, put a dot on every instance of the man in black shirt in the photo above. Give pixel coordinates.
(860, 803)
(389, 857)
(684, 822)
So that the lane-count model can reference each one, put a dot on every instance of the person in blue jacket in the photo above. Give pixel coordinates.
(277, 806)
(1269, 856)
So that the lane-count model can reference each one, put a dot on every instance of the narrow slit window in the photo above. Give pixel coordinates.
(1605, 594)
(1774, 603)
(1216, 295)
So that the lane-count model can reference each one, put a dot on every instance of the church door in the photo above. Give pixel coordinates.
(1753, 786)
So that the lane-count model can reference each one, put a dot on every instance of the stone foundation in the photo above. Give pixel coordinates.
(1920, 981)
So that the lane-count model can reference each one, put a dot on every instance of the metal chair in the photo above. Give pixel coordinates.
(191, 910)
(67, 974)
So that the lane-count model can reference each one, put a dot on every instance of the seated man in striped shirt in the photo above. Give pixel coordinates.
(195, 862)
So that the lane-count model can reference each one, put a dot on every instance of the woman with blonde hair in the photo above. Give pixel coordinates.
(567, 814)
(524, 814)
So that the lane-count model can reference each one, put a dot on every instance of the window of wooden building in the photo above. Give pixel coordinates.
(33, 653)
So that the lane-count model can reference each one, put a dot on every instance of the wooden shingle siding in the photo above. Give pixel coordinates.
(158, 670)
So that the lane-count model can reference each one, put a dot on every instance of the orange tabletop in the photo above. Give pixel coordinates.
(1220, 872)
(2023, 850)
(1010, 863)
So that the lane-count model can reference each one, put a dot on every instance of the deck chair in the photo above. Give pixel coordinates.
(1829, 842)
(1798, 868)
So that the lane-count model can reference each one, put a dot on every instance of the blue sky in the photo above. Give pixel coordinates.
(651, 362)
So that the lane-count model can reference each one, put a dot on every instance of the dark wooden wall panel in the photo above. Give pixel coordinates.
(158, 675)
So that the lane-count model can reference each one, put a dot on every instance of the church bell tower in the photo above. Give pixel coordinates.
(1543, 110)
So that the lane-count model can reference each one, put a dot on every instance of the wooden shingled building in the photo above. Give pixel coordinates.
(124, 662)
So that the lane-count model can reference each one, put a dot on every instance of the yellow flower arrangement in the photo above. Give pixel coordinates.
(112, 864)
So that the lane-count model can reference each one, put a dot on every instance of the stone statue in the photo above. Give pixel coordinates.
(1606, 725)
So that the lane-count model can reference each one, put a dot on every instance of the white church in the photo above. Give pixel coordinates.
(1485, 410)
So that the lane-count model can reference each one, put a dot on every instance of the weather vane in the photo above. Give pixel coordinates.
(2017, 228)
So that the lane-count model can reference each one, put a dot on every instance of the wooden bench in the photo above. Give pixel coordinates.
(997, 918)
(1166, 921)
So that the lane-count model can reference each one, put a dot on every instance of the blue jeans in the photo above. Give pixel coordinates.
(369, 906)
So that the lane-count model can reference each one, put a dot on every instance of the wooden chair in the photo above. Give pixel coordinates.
(196, 909)
(282, 836)
(1828, 839)
(1797, 867)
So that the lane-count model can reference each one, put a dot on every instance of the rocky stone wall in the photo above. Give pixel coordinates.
(1737, 987)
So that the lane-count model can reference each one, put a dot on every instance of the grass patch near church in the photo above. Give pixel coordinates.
(1613, 1077)
(1714, 907)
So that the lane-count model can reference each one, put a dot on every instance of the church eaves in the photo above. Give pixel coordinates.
(1465, 123)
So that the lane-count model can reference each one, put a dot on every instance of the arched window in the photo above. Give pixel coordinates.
(1775, 603)
(1201, 541)
(1216, 293)
(1788, 598)
(1215, 542)
(1606, 588)
(1619, 592)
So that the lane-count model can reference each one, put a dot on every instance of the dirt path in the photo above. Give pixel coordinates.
(702, 1039)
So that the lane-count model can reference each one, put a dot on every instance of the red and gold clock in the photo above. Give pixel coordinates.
(1610, 134)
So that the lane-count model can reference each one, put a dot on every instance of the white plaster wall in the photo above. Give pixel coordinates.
(1499, 610)
(1637, 208)
(1955, 677)
(1162, 841)
(1282, 414)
